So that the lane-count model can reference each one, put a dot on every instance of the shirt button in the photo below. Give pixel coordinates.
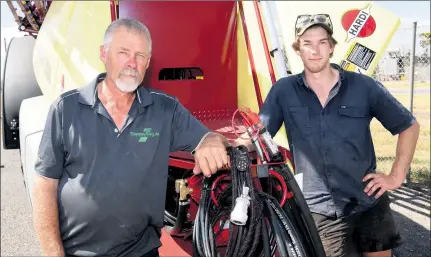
(115, 130)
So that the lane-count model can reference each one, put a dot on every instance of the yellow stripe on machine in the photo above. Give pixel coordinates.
(68, 45)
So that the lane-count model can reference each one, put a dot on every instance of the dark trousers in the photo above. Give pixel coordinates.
(373, 230)
(152, 253)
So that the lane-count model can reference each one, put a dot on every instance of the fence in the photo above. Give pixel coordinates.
(395, 72)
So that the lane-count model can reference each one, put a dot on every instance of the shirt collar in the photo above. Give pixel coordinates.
(302, 81)
(88, 94)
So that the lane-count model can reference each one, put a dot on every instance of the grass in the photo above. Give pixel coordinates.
(405, 85)
(385, 144)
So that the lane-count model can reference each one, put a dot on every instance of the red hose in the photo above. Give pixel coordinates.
(286, 194)
(214, 185)
(245, 122)
(283, 186)
(264, 42)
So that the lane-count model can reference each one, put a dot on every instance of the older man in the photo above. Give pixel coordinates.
(103, 159)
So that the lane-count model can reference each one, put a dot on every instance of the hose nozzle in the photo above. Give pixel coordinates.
(239, 214)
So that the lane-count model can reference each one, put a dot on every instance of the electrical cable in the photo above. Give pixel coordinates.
(266, 210)
(301, 212)
(268, 222)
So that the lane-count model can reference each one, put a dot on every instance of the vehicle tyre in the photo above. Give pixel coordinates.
(19, 82)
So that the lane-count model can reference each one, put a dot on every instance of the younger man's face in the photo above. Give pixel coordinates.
(315, 49)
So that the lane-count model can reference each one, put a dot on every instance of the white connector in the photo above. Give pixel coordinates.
(239, 214)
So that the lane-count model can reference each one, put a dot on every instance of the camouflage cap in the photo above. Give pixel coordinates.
(305, 21)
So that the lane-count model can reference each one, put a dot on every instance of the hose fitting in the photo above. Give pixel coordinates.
(239, 214)
(182, 188)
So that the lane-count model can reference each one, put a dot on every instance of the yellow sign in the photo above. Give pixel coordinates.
(363, 30)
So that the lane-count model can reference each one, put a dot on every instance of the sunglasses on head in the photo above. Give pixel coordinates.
(306, 18)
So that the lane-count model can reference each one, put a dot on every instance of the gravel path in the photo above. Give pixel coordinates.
(17, 233)
(411, 210)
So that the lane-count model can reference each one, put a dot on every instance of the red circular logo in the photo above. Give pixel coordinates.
(358, 23)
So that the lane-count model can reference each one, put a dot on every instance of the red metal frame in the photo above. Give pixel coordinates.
(181, 41)
(38, 9)
(250, 55)
(181, 163)
(191, 36)
(114, 11)
(264, 42)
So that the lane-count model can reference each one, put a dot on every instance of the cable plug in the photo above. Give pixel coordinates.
(239, 214)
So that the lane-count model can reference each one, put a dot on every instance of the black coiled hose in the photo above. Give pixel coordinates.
(269, 227)
(301, 213)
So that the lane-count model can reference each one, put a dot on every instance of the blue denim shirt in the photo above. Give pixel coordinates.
(332, 145)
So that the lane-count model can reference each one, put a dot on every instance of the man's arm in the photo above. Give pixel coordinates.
(49, 168)
(210, 154)
(406, 146)
(189, 134)
(397, 120)
(45, 214)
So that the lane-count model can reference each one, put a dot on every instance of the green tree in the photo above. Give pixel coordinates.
(425, 40)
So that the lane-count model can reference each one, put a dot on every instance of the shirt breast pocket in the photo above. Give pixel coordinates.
(144, 140)
(353, 120)
(301, 120)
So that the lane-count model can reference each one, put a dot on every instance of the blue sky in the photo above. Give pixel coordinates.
(408, 11)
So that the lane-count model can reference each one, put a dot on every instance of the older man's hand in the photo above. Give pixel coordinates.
(211, 155)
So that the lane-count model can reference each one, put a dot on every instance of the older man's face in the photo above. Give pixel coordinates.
(126, 59)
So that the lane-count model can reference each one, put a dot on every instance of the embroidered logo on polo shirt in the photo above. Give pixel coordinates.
(144, 135)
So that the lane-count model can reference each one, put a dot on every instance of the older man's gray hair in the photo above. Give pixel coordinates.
(131, 25)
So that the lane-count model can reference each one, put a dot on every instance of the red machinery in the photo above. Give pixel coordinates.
(195, 58)
(258, 199)
(205, 46)
(33, 11)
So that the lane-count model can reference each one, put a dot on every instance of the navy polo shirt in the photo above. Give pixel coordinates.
(112, 183)
(332, 145)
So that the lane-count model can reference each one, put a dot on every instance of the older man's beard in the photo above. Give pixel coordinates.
(128, 84)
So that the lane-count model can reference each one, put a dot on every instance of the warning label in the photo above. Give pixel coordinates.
(347, 65)
(361, 56)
